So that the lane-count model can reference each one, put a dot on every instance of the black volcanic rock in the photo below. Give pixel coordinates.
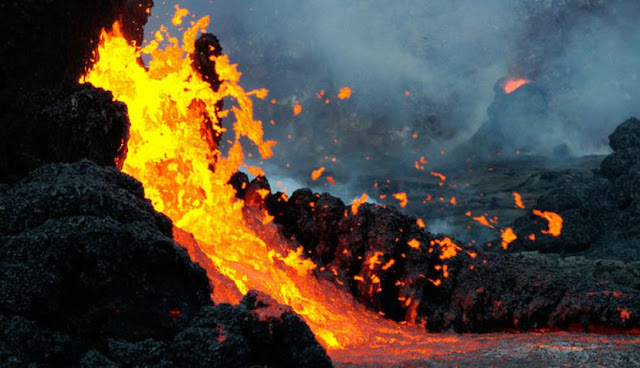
(626, 135)
(207, 45)
(90, 276)
(63, 124)
(259, 332)
(600, 215)
(506, 293)
(83, 252)
(23, 342)
(482, 292)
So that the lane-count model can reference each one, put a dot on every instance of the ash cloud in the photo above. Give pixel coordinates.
(582, 56)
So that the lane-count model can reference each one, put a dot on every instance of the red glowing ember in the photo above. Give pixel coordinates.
(513, 84)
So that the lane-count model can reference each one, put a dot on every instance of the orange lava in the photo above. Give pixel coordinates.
(508, 237)
(168, 104)
(448, 247)
(517, 198)
(555, 222)
(482, 220)
(297, 109)
(357, 203)
(402, 197)
(513, 84)
(344, 93)
(413, 243)
(438, 175)
(179, 14)
(316, 174)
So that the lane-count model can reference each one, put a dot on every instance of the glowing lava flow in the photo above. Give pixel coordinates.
(513, 84)
(168, 104)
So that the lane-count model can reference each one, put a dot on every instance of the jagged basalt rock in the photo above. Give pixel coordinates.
(90, 276)
(600, 215)
(83, 252)
(369, 253)
(64, 124)
(258, 332)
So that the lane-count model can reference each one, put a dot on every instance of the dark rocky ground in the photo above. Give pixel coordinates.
(512, 351)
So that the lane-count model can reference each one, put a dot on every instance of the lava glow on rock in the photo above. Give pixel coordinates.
(513, 84)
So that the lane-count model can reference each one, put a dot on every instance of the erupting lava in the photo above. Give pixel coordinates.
(513, 84)
(169, 105)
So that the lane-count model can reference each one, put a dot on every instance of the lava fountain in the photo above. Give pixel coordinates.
(169, 103)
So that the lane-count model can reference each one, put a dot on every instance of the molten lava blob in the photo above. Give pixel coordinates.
(169, 106)
(344, 93)
(513, 84)
(555, 222)
(508, 237)
(517, 198)
(316, 174)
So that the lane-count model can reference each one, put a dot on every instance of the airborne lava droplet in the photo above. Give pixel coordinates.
(358, 202)
(179, 14)
(316, 174)
(297, 108)
(402, 197)
(344, 93)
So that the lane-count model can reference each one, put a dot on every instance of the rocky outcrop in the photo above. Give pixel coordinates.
(601, 215)
(64, 124)
(392, 265)
(90, 276)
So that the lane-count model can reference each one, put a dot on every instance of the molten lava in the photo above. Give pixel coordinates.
(508, 237)
(555, 222)
(344, 93)
(513, 84)
(517, 198)
(169, 104)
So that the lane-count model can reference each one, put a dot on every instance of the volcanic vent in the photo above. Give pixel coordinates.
(92, 269)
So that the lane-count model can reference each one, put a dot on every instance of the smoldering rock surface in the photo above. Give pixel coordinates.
(483, 292)
(91, 276)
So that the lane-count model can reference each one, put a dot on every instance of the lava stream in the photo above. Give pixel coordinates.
(168, 104)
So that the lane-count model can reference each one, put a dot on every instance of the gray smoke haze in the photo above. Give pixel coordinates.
(583, 57)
